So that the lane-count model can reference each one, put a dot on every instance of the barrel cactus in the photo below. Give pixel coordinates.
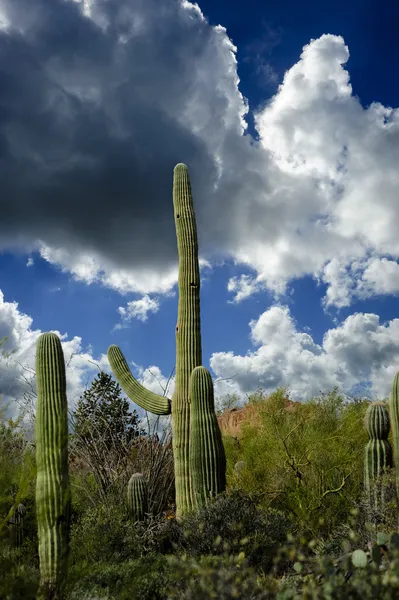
(207, 455)
(188, 348)
(378, 452)
(137, 496)
(52, 482)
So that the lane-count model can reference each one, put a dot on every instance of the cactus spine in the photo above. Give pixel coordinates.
(137, 496)
(378, 452)
(52, 482)
(188, 344)
(207, 455)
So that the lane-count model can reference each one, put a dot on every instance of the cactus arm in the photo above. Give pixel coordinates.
(207, 455)
(52, 481)
(153, 403)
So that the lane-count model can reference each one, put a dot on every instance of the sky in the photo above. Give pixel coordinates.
(287, 117)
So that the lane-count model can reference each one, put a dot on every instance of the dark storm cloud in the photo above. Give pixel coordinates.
(88, 128)
(95, 111)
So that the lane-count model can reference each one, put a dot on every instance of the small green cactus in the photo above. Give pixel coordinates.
(137, 495)
(378, 451)
(52, 482)
(207, 455)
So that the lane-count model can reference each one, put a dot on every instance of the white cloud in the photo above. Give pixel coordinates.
(138, 309)
(89, 269)
(18, 368)
(30, 262)
(244, 286)
(315, 194)
(358, 350)
(317, 130)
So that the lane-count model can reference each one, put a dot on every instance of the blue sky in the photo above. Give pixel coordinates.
(287, 118)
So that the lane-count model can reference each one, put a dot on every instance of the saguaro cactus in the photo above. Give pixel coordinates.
(137, 496)
(188, 344)
(378, 452)
(52, 483)
(207, 455)
(394, 417)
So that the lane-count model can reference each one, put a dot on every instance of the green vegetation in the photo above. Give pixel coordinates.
(265, 537)
(302, 503)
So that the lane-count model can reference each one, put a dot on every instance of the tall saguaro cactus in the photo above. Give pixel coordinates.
(52, 483)
(188, 344)
(378, 451)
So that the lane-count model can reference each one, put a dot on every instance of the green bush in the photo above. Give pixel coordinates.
(233, 522)
(215, 577)
(306, 461)
(140, 579)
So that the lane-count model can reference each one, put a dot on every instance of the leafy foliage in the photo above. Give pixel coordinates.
(305, 460)
(275, 533)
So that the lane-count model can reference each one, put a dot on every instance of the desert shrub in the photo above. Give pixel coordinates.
(306, 461)
(366, 522)
(103, 534)
(360, 574)
(140, 579)
(19, 574)
(233, 522)
(222, 577)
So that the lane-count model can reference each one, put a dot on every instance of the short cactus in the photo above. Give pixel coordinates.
(52, 483)
(207, 455)
(378, 452)
(137, 495)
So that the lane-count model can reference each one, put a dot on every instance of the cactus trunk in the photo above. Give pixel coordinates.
(188, 334)
(52, 483)
(378, 453)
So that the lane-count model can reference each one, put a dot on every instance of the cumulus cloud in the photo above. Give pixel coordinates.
(17, 360)
(316, 128)
(101, 99)
(138, 309)
(17, 365)
(359, 351)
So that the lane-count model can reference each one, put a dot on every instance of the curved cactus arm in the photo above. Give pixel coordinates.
(153, 403)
